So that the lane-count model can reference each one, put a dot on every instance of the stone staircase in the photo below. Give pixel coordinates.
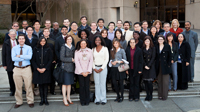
(192, 91)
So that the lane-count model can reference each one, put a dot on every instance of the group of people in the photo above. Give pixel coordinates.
(94, 53)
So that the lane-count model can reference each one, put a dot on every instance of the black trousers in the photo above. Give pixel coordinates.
(148, 87)
(43, 88)
(84, 94)
(134, 91)
(11, 81)
(118, 85)
(52, 84)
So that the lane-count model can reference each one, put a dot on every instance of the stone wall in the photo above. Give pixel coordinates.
(5, 14)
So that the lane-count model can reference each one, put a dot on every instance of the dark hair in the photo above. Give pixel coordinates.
(35, 22)
(40, 39)
(122, 38)
(83, 17)
(137, 23)
(102, 41)
(111, 23)
(67, 38)
(29, 27)
(127, 22)
(188, 22)
(162, 37)
(137, 32)
(183, 37)
(103, 31)
(64, 27)
(66, 19)
(79, 44)
(151, 42)
(153, 27)
(21, 35)
(113, 50)
(73, 22)
(100, 19)
(144, 21)
(168, 35)
(157, 21)
(84, 30)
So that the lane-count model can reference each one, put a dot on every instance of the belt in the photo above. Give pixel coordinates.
(22, 67)
(98, 65)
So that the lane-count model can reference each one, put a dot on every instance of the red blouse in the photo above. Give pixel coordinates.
(178, 31)
(132, 57)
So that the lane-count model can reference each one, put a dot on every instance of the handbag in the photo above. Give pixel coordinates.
(58, 74)
(123, 67)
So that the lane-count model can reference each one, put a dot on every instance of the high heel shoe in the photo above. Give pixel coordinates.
(70, 102)
(65, 104)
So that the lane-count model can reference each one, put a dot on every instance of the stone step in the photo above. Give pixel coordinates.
(190, 92)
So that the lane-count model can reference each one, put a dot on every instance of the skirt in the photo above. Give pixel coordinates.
(68, 78)
(116, 75)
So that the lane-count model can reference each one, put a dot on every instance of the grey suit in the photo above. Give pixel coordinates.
(192, 38)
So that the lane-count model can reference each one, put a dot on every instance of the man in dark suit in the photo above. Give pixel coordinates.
(31, 38)
(84, 24)
(6, 58)
(166, 27)
(60, 41)
(101, 26)
(137, 27)
(56, 32)
(145, 27)
(93, 32)
(15, 26)
(37, 31)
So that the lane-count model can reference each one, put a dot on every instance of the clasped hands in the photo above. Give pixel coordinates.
(41, 70)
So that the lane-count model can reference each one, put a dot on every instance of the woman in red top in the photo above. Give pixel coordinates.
(175, 27)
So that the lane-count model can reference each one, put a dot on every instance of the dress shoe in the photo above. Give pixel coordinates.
(136, 100)
(86, 104)
(131, 99)
(70, 102)
(23, 92)
(97, 103)
(121, 100)
(103, 103)
(53, 93)
(12, 93)
(82, 104)
(17, 106)
(117, 99)
(31, 105)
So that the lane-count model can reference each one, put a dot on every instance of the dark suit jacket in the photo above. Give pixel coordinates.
(148, 32)
(87, 27)
(142, 35)
(6, 55)
(91, 36)
(7, 37)
(174, 36)
(34, 41)
(56, 35)
(58, 43)
(103, 27)
(138, 59)
(163, 59)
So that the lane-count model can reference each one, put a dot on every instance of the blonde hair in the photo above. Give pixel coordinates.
(175, 20)
(157, 21)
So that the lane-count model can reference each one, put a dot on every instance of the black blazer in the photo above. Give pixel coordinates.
(103, 27)
(34, 41)
(7, 37)
(87, 27)
(163, 59)
(108, 44)
(161, 30)
(175, 52)
(148, 32)
(142, 35)
(58, 43)
(138, 59)
(56, 35)
(139, 44)
(47, 56)
(154, 39)
(185, 53)
(149, 58)
(6, 55)
(174, 36)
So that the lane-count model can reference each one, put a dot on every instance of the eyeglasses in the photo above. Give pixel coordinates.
(15, 26)
(29, 30)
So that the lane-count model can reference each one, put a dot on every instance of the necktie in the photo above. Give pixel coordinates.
(14, 44)
(165, 34)
(20, 63)
(124, 34)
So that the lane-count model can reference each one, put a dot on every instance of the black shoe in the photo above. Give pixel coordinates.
(12, 93)
(82, 104)
(130, 99)
(136, 100)
(41, 102)
(97, 103)
(103, 103)
(117, 99)
(86, 104)
(150, 97)
(23, 92)
(120, 100)
(53, 93)
(46, 102)
(147, 98)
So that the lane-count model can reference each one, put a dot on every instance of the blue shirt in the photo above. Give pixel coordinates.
(165, 33)
(120, 29)
(25, 57)
(30, 40)
(111, 35)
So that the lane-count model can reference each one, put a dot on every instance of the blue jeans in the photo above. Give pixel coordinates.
(175, 77)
